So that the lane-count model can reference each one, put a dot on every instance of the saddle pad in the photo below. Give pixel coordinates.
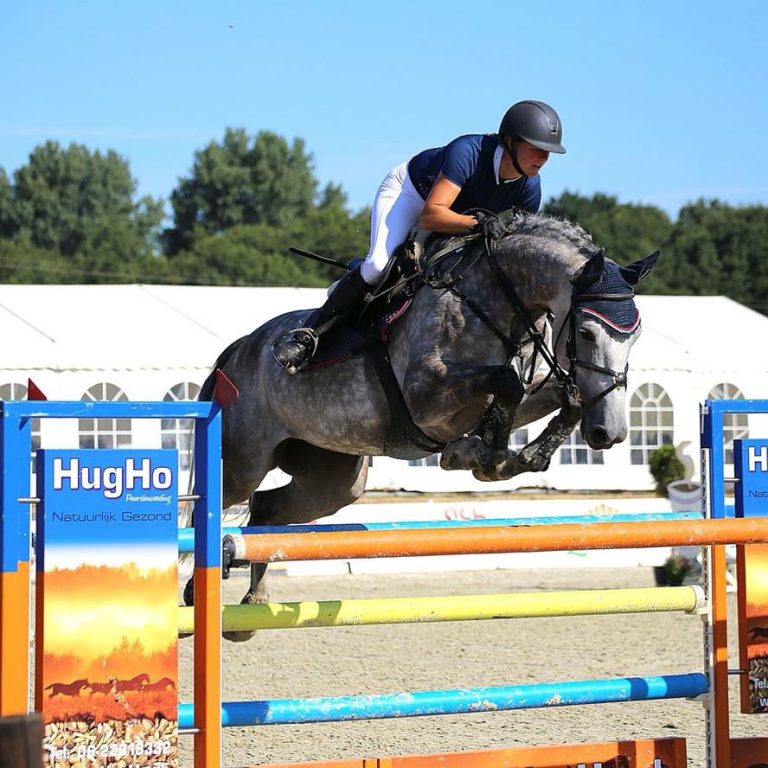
(341, 343)
(346, 341)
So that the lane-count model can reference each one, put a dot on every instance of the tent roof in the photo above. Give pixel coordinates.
(145, 327)
(132, 327)
(698, 333)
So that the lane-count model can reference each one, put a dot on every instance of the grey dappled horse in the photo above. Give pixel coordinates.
(531, 307)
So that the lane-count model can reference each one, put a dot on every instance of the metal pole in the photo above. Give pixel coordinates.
(493, 540)
(15, 444)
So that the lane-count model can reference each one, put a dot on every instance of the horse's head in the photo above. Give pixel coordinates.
(594, 341)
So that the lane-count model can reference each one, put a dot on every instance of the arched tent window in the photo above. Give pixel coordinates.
(104, 433)
(14, 391)
(575, 451)
(735, 425)
(651, 421)
(179, 433)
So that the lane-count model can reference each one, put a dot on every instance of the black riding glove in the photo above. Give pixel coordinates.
(489, 225)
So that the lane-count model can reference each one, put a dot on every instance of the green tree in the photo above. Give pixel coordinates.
(692, 265)
(244, 255)
(246, 242)
(7, 221)
(717, 249)
(711, 248)
(330, 230)
(580, 209)
(239, 181)
(627, 231)
(80, 206)
(755, 220)
(22, 262)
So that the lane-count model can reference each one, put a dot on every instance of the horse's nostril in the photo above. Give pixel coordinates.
(599, 438)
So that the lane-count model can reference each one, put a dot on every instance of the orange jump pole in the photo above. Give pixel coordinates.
(634, 754)
(278, 547)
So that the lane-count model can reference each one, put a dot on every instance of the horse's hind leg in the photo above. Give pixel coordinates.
(322, 483)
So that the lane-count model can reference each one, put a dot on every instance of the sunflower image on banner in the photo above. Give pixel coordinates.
(751, 465)
(106, 616)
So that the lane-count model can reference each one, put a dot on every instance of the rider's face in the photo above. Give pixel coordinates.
(530, 158)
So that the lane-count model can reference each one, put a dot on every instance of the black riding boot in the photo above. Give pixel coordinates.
(296, 348)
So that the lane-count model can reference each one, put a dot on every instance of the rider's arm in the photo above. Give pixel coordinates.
(437, 215)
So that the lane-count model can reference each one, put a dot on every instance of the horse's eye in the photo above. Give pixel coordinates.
(587, 335)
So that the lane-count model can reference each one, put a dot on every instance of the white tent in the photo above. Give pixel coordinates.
(131, 327)
(145, 339)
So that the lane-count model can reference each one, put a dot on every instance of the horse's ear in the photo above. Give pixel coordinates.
(633, 273)
(590, 272)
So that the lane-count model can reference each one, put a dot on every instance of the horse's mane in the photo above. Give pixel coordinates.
(525, 233)
(524, 226)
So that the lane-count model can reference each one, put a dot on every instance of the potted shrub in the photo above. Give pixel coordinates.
(670, 476)
(674, 571)
(665, 467)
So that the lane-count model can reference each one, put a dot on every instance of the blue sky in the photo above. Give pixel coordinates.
(662, 102)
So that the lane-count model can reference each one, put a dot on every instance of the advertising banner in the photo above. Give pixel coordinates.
(106, 614)
(751, 465)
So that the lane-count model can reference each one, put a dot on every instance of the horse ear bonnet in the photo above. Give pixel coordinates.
(620, 315)
(637, 270)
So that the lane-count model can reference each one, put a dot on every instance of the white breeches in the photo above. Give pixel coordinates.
(396, 210)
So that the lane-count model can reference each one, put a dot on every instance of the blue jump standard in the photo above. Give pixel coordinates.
(450, 702)
(187, 535)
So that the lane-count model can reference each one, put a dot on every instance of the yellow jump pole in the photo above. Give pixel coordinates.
(414, 610)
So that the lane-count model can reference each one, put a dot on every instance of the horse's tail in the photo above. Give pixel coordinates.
(206, 393)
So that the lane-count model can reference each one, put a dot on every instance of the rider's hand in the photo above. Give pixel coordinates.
(489, 225)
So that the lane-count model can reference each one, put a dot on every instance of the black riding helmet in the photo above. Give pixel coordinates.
(534, 122)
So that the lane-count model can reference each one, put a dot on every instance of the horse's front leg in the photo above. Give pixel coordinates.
(442, 401)
(486, 450)
(536, 456)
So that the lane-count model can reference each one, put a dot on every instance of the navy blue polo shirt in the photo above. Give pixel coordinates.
(468, 162)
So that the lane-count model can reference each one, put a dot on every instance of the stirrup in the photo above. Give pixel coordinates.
(302, 344)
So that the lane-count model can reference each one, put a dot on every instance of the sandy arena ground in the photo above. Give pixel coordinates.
(367, 660)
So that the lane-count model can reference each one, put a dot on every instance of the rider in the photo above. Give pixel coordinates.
(492, 172)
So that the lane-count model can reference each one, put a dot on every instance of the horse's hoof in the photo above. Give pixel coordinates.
(504, 468)
(486, 474)
(534, 462)
(485, 455)
(261, 595)
(500, 456)
(461, 454)
(449, 459)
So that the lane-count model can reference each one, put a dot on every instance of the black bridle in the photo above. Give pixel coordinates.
(565, 378)
(618, 378)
